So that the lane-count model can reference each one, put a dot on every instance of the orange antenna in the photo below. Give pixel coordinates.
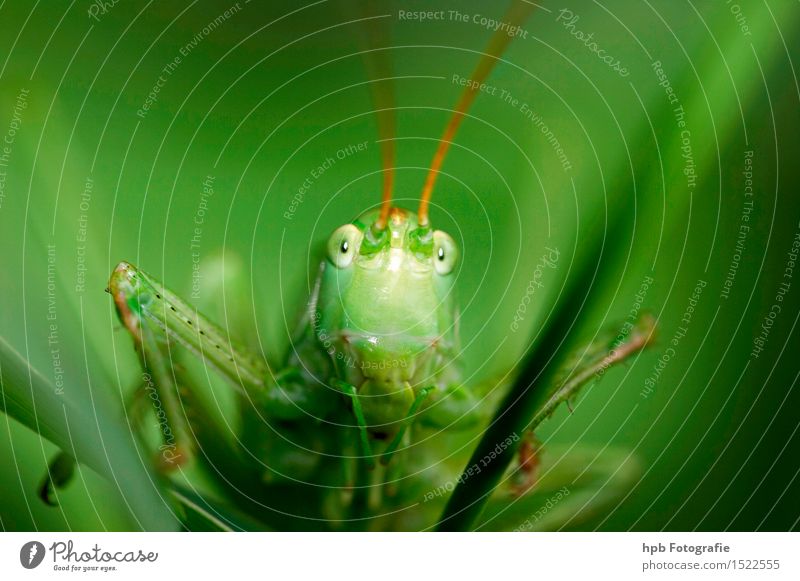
(379, 70)
(386, 130)
(515, 16)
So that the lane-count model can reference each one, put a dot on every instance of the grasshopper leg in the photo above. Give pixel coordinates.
(358, 412)
(161, 387)
(157, 319)
(143, 303)
(392, 448)
(592, 362)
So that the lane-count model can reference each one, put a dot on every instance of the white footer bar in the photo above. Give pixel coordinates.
(402, 556)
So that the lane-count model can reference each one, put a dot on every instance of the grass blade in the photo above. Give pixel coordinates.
(95, 439)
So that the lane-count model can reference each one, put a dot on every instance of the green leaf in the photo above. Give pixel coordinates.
(91, 434)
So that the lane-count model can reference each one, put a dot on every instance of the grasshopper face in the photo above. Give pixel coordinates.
(385, 311)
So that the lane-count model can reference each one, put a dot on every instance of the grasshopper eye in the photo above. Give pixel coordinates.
(445, 253)
(343, 245)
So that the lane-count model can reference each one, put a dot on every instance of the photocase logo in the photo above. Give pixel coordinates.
(31, 554)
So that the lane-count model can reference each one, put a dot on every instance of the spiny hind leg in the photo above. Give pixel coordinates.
(587, 365)
(457, 406)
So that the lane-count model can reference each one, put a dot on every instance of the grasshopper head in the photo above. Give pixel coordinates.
(385, 311)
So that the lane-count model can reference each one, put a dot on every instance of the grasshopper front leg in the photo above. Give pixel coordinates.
(144, 303)
(157, 319)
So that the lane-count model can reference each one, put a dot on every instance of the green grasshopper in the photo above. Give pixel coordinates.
(373, 367)
(335, 435)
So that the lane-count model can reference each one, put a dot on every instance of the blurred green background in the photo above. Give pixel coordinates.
(258, 99)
